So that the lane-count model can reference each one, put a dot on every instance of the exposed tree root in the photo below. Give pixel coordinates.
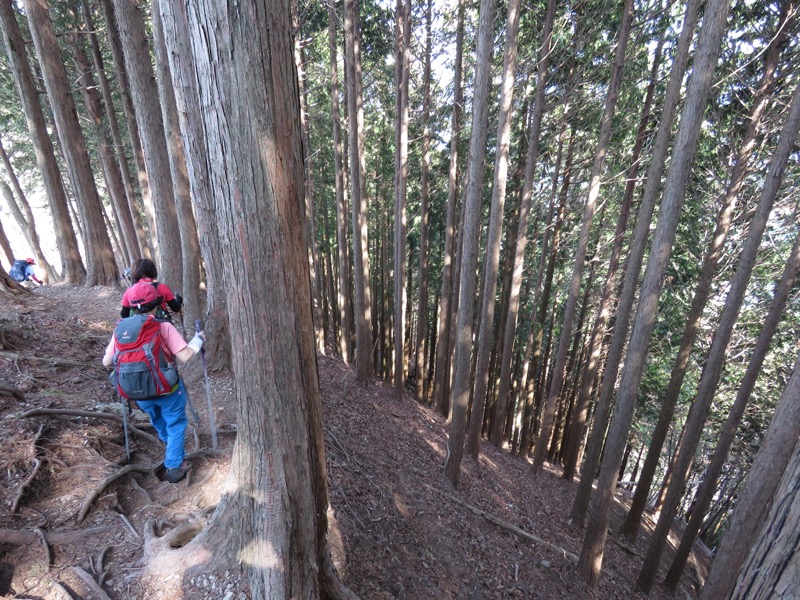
(506, 525)
(97, 591)
(87, 503)
(47, 550)
(91, 414)
(18, 537)
(37, 465)
(333, 588)
(12, 391)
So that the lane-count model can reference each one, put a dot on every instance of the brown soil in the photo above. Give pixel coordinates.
(398, 528)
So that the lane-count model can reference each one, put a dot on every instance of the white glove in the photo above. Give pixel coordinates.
(196, 343)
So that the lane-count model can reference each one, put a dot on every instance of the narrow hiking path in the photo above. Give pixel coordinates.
(398, 529)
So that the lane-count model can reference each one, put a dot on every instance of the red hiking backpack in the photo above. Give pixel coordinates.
(143, 367)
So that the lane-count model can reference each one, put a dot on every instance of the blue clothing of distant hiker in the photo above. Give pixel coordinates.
(22, 270)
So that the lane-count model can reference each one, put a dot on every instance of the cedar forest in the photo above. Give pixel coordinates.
(569, 227)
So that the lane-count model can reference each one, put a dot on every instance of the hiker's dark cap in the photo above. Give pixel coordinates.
(143, 293)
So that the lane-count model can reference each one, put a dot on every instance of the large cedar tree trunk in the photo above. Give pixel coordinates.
(277, 498)
(190, 245)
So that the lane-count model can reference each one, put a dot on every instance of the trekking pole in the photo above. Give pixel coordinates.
(125, 426)
(192, 410)
(198, 326)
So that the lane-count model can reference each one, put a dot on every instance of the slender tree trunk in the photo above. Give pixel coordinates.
(462, 381)
(122, 161)
(6, 246)
(708, 487)
(26, 222)
(344, 298)
(187, 97)
(115, 187)
(627, 296)
(402, 63)
(101, 266)
(534, 130)
(150, 123)
(313, 246)
(130, 116)
(598, 334)
(630, 526)
(712, 369)
(492, 256)
(424, 218)
(72, 268)
(441, 387)
(189, 243)
(708, 49)
(355, 109)
(583, 240)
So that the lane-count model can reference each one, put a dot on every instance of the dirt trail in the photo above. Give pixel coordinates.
(397, 528)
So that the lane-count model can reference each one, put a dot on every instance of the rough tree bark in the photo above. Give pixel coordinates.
(190, 246)
(187, 98)
(772, 571)
(755, 501)
(272, 521)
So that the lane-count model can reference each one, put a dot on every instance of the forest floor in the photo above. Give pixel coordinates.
(398, 529)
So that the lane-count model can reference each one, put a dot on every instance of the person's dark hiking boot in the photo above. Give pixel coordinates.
(178, 473)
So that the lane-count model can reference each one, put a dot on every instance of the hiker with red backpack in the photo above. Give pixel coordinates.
(144, 269)
(142, 351)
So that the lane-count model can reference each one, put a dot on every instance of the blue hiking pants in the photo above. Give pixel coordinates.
(168, 416)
